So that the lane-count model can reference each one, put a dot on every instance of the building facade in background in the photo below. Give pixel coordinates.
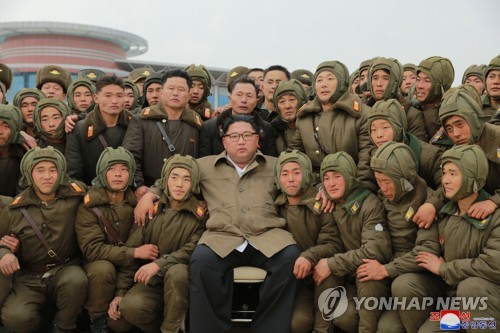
(27, 46)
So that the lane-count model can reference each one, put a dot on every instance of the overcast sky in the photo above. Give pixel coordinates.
(293, 33)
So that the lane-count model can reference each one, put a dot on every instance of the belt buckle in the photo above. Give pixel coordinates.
(51, 253)
(171, 148)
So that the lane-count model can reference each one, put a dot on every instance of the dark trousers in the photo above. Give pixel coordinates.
(211, 289)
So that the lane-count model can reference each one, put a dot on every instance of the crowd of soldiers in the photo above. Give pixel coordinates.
(134, 199)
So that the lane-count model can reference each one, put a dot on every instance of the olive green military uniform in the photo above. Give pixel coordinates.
(5, 78)
(441, 73)
(176, 233)
(344, 128)
(426, 155)
(135, 108)
(11, 152)
(55, 139)
(470, 248)
(363, 229)
(41, 276)
(5, 281)
(317, 236)
(102, 252)
(84, 146)
(99, 250)
(397, 161)
(415, 120)
(462, 101)
(144, 140)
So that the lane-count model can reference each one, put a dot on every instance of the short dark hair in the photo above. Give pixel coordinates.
(234, 118)
(277, 68)
(256, 69)
(246, 80)
(109, 80)
(177, 73)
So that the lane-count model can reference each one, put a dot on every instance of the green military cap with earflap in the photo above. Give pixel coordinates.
(135, 91)
(410, 67)
(493, 65)
(354, 76)
(37, 116)
(200, 73)
(441, 73)
(464, 101)
(71, 92)
(235, 73)
(305, 165)
(473, 165)
(27, 92)
(184, 162)
(303, 75)
(341, 73)
(5, 75)
(109, 157)
(392, 111)
(343, 163)
(397, 161)
(291, 87)
(53, 73)
(395, 70)
(37, 155)
(14, 118)
(474, 70)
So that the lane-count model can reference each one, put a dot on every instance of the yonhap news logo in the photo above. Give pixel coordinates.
(333, 303)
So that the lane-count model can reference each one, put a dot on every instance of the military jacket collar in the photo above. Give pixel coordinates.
(94, 124)
(97, 196)
(451, 207)
(158, 112)
(28, 197)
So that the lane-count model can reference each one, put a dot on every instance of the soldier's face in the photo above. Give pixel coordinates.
(128, 100)
(82, 97)
(458, 130)
(354, 84)
(452, 179)
(243, 98)
(175, 93)
(381, 132)
(110, 99)
(423, 86)
(409, 78)
(493, 83)
(380, 81)
(258, 77)
(153, 93)
(288, 106)
(4, 133)
(476, 83)
(117, 176)
(196, 92)
(50, 119)
(290, 178)
(53, 90)
(28, 105)
(44, 176)
(179, 183)
(326, 85)
(241, 151)
(386, 185)
(271, 81)
(334, 184)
